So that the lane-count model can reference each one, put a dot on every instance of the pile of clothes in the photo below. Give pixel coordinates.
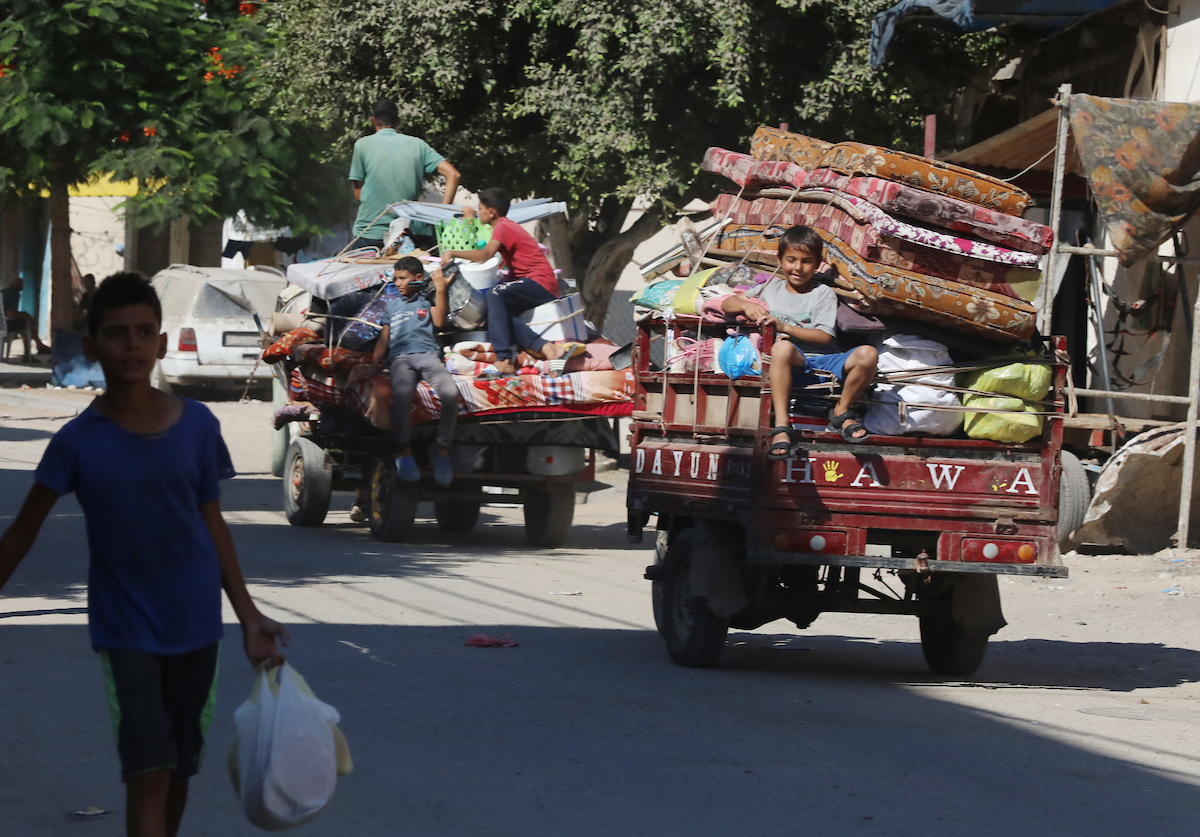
(932, 263)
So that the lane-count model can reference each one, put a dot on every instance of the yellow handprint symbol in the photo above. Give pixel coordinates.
(831, 472)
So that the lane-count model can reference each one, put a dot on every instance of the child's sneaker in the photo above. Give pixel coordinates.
(407, 470)
(443, 473)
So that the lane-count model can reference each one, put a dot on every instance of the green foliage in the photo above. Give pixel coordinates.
(166, 91)
(603, 100)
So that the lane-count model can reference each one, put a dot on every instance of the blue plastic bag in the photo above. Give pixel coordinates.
(738, 357)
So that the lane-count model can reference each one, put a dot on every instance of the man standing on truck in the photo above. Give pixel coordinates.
(388, 167)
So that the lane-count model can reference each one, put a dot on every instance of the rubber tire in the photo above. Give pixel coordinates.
(948, 650)
(548, 517)
(392, 506)
(307, 484)
(656, 587)
(281, 437)
(457, 515)
(694, 636)
(1074, 496)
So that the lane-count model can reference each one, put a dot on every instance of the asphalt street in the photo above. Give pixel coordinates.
(1083, 719)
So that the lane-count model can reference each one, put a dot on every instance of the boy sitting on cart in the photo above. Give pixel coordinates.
(804, 313)
(532, 281)
(407, 339)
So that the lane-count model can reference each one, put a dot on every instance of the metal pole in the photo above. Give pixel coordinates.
(1056, 190)
(1189, 441)
(1101, 346)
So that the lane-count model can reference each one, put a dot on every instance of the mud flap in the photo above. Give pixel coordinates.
(975, 605)
(716, 572)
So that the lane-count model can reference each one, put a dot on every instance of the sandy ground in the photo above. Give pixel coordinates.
(1083, 719)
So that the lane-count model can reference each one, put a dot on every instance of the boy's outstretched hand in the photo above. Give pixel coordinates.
(259, 637)
(439, 280)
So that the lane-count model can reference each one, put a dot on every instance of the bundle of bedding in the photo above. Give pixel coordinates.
(325, 377)
(934, 258)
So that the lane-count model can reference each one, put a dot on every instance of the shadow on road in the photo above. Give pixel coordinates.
(593, 732)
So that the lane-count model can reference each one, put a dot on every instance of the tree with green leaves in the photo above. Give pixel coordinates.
(167, 92)
(604, 102)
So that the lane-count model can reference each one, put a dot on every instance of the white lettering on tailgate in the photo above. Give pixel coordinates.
(678, 456)
(695, 469)
(714, 460)
(941, 472)
(802, 467)
(1023, 479)
(656, 468)
(641, 461)
(867, 470)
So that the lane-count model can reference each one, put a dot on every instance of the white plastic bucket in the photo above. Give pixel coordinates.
(481, 276)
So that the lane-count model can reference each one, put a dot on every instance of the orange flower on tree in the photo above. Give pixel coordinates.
(4, 68)
(248, 9)
(150, 131)
(123, 135)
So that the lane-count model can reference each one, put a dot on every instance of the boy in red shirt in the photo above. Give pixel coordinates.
(531, 279)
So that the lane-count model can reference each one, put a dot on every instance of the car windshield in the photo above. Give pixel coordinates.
(212, 303)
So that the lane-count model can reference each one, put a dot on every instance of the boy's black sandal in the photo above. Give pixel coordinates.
(837, 423)
(780, 450)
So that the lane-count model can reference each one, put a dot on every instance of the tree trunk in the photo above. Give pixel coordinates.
(559, 240)
(606, 265)
(10, 243)
(61, 296)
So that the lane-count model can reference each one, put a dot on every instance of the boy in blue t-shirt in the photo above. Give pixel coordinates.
(145, 467)
(407, 339)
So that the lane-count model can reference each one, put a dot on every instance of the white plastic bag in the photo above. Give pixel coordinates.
(287, 762)
(906, 353)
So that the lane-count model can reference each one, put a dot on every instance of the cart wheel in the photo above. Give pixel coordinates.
(307, 483)
(1074, 496)
(656, 587)
(393, 504)
(548, 517)
(947, 648)
(457, 515)
(280, 437)
(694, 636)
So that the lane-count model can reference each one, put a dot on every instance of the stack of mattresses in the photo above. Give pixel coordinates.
(911, 237)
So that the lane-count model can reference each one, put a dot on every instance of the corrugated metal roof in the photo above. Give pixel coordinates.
(1028, 146)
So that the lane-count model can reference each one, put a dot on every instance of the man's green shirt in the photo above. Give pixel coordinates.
(391, 167)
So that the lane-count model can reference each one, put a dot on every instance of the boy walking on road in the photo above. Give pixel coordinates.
(145, 467)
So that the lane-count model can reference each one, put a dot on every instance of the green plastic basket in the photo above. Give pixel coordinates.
(461, 234)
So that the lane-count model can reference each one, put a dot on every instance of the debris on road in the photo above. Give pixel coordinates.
(485, 641)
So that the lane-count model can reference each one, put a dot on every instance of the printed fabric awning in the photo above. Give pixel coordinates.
(1142, 161)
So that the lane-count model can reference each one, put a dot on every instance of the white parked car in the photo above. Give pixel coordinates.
(208, 315)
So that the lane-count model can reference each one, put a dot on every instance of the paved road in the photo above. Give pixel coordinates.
(1085, 720)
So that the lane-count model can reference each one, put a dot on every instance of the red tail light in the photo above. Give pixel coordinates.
(187, 339)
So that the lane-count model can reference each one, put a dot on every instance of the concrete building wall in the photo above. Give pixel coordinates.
(96, 230)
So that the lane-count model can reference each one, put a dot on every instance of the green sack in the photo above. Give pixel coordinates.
(1020, 424)
(1030, 381)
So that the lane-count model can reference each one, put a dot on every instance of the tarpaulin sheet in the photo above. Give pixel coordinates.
(1142, 160)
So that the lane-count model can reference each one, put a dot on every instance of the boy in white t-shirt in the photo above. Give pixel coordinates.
(804, 314)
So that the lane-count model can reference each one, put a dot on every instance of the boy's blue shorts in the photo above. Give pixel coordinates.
(834, 363)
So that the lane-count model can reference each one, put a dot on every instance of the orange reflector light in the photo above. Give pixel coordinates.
(998, 551)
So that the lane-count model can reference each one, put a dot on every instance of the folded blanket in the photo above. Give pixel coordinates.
(940, 210)
(891, 291)
(885, 249)
(858, 222)
(855, 158)
(749, 173)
